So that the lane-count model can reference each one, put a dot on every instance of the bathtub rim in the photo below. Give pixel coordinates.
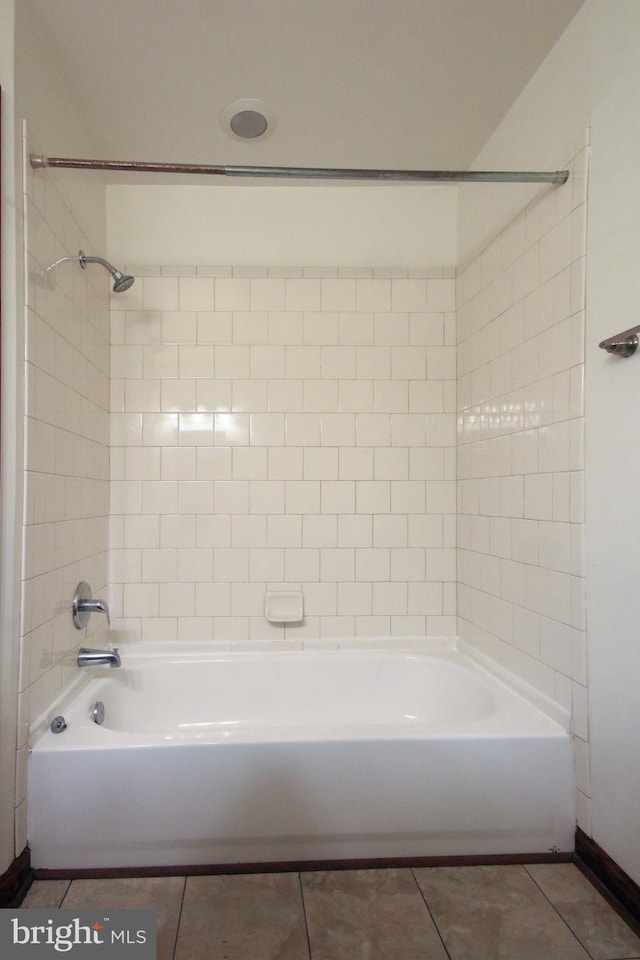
(154, 649)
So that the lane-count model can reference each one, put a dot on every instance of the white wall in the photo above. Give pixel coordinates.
(538, 133)
(592, 78)
(60, 211)
(10, 559)
(612, 416)
(354, 226)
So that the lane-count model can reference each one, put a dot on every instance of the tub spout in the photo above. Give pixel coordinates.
(88, 657)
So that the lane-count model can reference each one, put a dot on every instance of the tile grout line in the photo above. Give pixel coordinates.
(433, 919)
(175, 941)
(304, 914)
(62, 899)
(573, 933)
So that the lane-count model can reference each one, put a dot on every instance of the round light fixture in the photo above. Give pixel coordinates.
(248, 120)
(248, 124)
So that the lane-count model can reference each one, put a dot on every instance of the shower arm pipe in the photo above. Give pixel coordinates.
(308, 173)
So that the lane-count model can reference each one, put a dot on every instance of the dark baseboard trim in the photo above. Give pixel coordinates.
(288, 866)
(620, 890)
(15, 881)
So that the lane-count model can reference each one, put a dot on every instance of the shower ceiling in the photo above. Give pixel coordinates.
(358, 83)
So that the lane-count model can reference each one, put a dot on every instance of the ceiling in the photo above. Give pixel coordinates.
(352, 83)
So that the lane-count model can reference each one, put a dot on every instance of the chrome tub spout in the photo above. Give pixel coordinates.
(88, 657)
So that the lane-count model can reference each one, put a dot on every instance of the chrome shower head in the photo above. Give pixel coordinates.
(121, 281)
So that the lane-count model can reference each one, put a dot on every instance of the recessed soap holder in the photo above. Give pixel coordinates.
(284, 606)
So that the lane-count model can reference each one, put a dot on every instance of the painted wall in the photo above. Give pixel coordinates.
(592, 78)
(43, 339)
(279, 429)
(10, 526)
(354, 226)
(613, 410)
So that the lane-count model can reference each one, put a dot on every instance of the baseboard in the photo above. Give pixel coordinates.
(288, 866)
(14, 880)
(622, 892)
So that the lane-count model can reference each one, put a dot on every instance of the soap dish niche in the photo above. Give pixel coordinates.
(284, 607)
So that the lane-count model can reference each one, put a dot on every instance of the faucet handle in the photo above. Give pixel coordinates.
(83, 606)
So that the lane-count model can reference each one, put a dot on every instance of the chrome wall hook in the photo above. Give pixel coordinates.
(622, 344)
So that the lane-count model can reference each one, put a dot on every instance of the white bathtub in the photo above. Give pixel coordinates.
(209, 758)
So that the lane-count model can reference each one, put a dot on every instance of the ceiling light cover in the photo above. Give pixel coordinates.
(248, 119)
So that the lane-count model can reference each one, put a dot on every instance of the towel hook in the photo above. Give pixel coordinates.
(622, 344)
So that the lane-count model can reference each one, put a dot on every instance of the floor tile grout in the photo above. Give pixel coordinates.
(428, 908)
(175, 939)
(304, 914)
(552, 904)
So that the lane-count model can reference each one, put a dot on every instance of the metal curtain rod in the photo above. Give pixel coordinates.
(308, 173)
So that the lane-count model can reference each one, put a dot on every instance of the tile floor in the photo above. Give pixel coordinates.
(534, 912)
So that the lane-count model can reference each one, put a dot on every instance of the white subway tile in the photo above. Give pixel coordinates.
(303, 429)
(214, 327)
(159, 361)
(250, 328)
(287, 328)
(249, 531)
(213, 395)
(338, 295)
(212, 463)
(178, 327)
(320, 395)
(441, 295)
(374, 295)
(249, 396)
(337, 565)
(285, 396)
(160, 293)
(268, 294)
(373, 565)
(285, 463)
(411, 295)
(337, 496)
(302, 363)
(231, 429)
(391, 329)
(302, 294)
(196, 293)
(175, 531)
(319, 530)
(320, 328)
(230, 497)
(390, 599)
(232, 293)
(230, 361)
(355, 328)
(355, 531)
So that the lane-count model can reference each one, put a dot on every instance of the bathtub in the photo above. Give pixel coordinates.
(208, 758)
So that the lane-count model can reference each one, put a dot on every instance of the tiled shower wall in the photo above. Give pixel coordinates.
(66, 460)
(521, 306)
(283, 429)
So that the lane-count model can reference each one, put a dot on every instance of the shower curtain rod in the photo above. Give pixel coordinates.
(309, 173)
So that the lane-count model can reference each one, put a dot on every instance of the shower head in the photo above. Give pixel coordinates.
(121, 281)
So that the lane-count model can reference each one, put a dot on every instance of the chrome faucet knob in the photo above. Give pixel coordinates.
(84, 605)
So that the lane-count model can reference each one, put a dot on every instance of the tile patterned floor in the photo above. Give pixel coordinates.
(536, 912)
